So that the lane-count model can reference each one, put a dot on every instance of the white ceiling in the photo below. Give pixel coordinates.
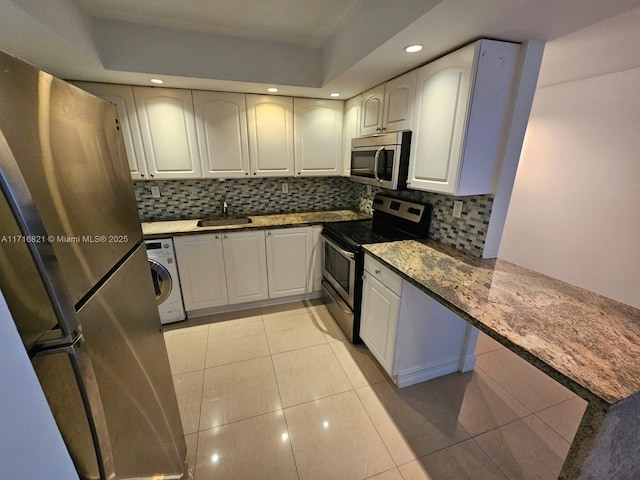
(302, 22)
(305, 47)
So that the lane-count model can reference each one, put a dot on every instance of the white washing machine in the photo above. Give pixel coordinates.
(164, 271)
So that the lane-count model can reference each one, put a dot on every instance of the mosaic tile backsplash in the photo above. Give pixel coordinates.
(466, 233)
(189, 199)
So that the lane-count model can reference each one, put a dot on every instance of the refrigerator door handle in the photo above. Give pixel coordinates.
(88, 386)
(28, 219)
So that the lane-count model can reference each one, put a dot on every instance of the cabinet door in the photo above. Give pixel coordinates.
(372, 105)
(221, 122)
(168, 130)
(398, 102)
(245, 263)
(442, 100)
(270, 125)
(317, 259)
(201, 268)
(288, 261)
(352, 120)
(379, 320)
(318, 137)
(122, 97)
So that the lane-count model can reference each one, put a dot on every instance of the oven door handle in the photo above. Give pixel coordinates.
(375, 164)
(336, 298)
(342, 252)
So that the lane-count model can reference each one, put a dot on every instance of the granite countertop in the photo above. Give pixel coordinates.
(586, 341)
(185, 227)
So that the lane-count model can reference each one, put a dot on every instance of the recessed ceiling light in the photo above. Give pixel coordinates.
(413, 48)
(156, 80)
(335, 94)
(272, 89)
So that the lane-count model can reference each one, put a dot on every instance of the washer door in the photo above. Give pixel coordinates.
(162, 281)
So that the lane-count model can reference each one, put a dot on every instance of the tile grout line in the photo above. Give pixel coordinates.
(375, 427)
(293, 454)
(506, 424)
(504, 474)
(520, 401)
(206, 351)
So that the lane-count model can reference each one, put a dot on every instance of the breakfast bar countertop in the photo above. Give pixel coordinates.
(280, 220)
(588, 342)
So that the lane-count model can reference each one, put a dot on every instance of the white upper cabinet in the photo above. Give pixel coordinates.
(122, 97)
(399, 96)
(460, 111)
(389, 107)
(270, 125)
(168, 131)
(351, 129)
(372, 105)
(221, 124)
(318, 137)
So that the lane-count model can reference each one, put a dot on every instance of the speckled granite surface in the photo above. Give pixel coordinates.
(585, 339)
(183, 227)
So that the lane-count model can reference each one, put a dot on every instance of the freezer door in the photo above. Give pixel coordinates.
(123, 335)
(68, 381)
(71, 153)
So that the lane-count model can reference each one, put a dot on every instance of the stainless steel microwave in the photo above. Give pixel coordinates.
(381, 160)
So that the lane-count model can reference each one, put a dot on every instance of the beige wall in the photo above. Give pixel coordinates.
(575, 209)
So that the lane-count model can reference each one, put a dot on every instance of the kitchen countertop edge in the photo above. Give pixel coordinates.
(159, 229)
(388, 254)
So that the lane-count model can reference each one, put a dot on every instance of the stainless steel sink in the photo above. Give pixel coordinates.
(219, 221)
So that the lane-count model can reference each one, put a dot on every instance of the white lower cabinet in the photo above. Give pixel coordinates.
(221, 269)
(228, 268)
(245, 263)
(380, 308)
(201, 269)
(288, 261)
(414, 337)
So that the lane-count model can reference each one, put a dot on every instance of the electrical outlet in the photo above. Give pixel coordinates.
(369, 190)
(285, 188)
(457, 209)
(155, 192)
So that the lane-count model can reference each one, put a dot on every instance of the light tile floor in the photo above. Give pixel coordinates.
(279, 393)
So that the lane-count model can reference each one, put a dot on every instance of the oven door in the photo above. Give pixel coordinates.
(339, 269)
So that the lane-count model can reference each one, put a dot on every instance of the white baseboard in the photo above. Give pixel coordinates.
(422, 374)
(468, 363)
(245, 306)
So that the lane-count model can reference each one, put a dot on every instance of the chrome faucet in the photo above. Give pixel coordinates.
(223, 206)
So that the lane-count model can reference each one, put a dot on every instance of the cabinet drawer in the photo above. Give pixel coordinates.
(384, 274)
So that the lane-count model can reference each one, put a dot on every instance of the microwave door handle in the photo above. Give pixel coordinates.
(375, 163)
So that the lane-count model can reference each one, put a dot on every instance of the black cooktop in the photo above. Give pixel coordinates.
(394, 218)
(360, 232)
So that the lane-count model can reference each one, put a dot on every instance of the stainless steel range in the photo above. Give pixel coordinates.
(394, 218)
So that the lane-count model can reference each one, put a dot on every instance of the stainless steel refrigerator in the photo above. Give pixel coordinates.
(74, 272)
